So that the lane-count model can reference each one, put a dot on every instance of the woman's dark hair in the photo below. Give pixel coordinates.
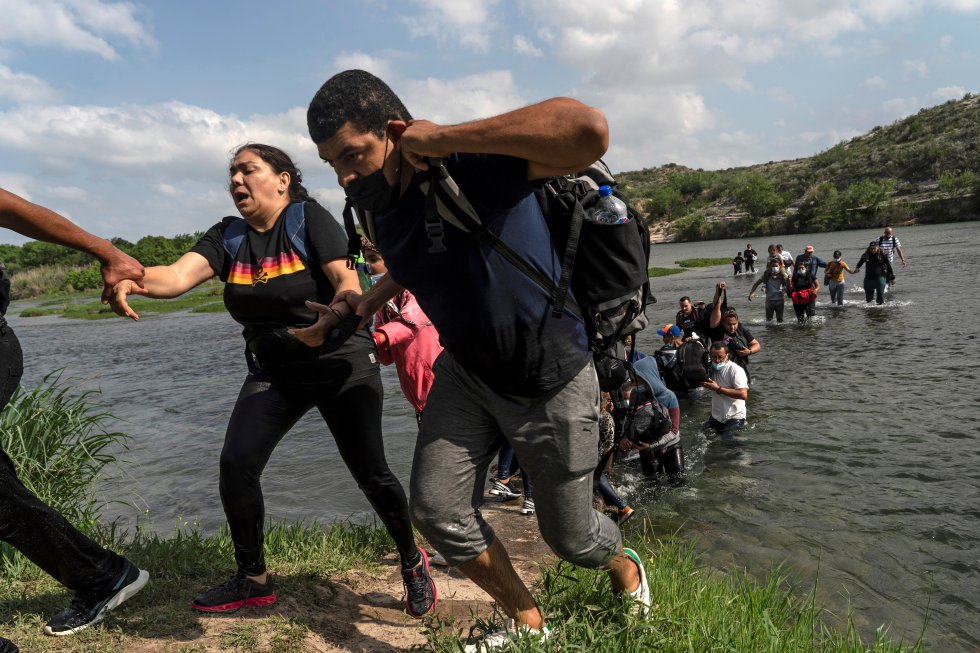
(837, 253)
(280, 162)
(356, 97)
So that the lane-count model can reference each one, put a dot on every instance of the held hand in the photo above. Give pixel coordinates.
(750, 296)
(422, 139)
(891, 282)
(117, 298)
(315, 334)
(719, 287)
(710, 384)
(119, 267)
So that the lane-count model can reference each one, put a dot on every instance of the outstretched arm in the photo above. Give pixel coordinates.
(556, 137)
(35, 221)
(162, 282)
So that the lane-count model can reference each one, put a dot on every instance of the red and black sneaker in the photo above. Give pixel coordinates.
(420, 589)
(237, 591)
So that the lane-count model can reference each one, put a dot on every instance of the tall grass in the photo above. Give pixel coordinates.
(694, 610)
(59, 444)
(36, 281)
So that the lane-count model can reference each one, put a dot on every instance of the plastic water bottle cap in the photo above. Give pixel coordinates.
(605, 191)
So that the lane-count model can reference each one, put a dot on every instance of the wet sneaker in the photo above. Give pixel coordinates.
(237, 591)
(527, 508)
(508, 633)
(624, 515)
(89, 608)
(420, 589)
(641, 595)
(502, 490)
(6, 646)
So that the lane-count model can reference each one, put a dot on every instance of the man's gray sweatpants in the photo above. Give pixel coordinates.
(556, 440)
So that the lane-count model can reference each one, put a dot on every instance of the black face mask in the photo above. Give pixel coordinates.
(373, 193)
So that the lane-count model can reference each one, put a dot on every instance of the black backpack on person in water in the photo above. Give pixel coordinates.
(692, 367)
(605, 266)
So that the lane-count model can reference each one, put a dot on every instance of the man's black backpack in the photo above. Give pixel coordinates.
(605, 266)
(692, 365)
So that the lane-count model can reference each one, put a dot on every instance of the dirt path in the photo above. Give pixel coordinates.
(361, 611)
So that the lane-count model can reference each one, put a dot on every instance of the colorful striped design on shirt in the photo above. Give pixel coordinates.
(267, 268)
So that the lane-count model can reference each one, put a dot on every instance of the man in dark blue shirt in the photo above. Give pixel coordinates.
(510, 368)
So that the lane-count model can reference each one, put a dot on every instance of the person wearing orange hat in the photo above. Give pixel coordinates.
(811, 260)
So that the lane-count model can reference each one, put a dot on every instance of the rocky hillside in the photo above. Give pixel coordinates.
(921, 169)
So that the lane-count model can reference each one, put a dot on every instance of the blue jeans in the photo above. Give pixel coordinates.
(875, 287)
(837, 292)
(726, 430)
(508, 465)
(609, 495)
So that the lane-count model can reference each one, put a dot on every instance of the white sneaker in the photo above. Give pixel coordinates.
(510, 632)
(641, 595)
(527, 508)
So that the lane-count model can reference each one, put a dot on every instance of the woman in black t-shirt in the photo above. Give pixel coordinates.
(287, 250)
(803, 292)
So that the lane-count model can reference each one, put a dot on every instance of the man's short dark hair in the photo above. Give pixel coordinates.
(356, 97)
(685, 298)
(718, 345)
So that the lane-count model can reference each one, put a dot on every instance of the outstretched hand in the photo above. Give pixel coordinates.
(116, 296)
(120, 267)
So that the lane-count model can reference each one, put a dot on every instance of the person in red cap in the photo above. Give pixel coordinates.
(811, 260)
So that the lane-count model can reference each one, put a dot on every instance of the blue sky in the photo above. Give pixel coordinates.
(121, 115)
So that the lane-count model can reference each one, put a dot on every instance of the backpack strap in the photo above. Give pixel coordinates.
(445, 200)
(295, 224)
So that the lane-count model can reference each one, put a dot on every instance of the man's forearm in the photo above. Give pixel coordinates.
(35, 221)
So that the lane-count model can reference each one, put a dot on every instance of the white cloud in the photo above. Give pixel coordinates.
(781, 95)
(948, 93)
(961, 6)
(876, 82)
(914, 68)
(735, 138)
(466, 98)
(166, 189)
(945, 41)
(78, 25)
(900, 107)
(23, 88)
(378, 66)
(468, 23)
(523, 45)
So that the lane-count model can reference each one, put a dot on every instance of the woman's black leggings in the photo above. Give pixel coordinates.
(264, 412)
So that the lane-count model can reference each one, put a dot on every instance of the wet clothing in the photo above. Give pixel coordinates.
(888, 245)
(776, 289)
(510, 369)
(804, 281)
(735, 341)
(812, 263)
(876, 275)
(555, 438)
(728, 414)
(266, 283)
(750, 255)
(495, 320)
(26, 523)
(835, 277)
(737, 263)
(687, 322)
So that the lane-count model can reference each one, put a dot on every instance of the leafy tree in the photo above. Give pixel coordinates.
(756, 195)
(87, 278)
(864, 199)
(664, 202)
(958, 185)
(155, 250)
(36, 253)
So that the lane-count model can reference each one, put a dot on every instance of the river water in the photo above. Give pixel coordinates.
(859, 466)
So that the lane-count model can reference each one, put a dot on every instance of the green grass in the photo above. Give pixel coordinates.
(694, 610)
(206, 299)
(702, 262)
(662, 272)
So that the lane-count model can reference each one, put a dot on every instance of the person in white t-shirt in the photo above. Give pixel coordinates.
(730, 387)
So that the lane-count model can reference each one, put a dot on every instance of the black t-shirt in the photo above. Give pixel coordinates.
(4, 293)
(267, 283)
(739, 340)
